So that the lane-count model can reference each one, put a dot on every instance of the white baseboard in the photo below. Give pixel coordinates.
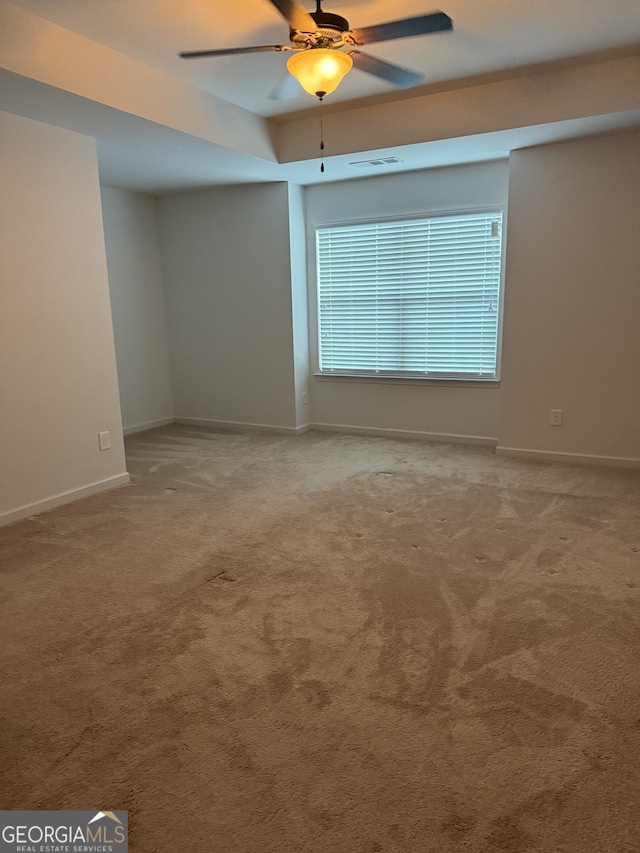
(130, 430)
(63, 498)
(449, 438)
(573, 458)
(240, 426)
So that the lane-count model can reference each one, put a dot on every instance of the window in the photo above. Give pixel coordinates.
(411, 298)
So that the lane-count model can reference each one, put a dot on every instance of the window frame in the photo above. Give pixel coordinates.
(391, 378)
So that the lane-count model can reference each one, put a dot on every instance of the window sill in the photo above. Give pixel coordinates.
(407, 380)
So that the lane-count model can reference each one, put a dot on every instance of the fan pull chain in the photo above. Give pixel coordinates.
(321, 142)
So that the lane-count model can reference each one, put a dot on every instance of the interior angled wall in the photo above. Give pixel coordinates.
(58, 380)
(227, 273)
(299, 303)
(572, 301)
(137, 304)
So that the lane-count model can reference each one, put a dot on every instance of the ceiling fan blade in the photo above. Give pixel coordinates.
(296, 15)
(229, 51)
(286, 89)
(436, 22)
(403, 78)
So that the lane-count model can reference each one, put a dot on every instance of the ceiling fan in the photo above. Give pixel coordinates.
(317, 38)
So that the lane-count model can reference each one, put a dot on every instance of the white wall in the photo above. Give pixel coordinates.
(58, 382)
(572, 333)
(299, 303)
(137, 305)
(442, 409)
(227, 272)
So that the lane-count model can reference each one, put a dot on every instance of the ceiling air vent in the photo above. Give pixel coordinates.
(381, 161)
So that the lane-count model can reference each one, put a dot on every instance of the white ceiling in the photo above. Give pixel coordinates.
(488, 36)
(139, 149)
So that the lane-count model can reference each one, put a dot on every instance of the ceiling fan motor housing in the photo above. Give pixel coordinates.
(330, 28)
(330, 22)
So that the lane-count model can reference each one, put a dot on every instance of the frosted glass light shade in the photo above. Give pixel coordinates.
(319, 70)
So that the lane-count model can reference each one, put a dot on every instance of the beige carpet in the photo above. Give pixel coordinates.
(330, 644)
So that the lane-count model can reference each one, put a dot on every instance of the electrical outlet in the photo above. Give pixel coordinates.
(555, 417)
(304, 398)
(105, 440)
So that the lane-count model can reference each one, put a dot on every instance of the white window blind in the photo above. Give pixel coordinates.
(411, 297)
